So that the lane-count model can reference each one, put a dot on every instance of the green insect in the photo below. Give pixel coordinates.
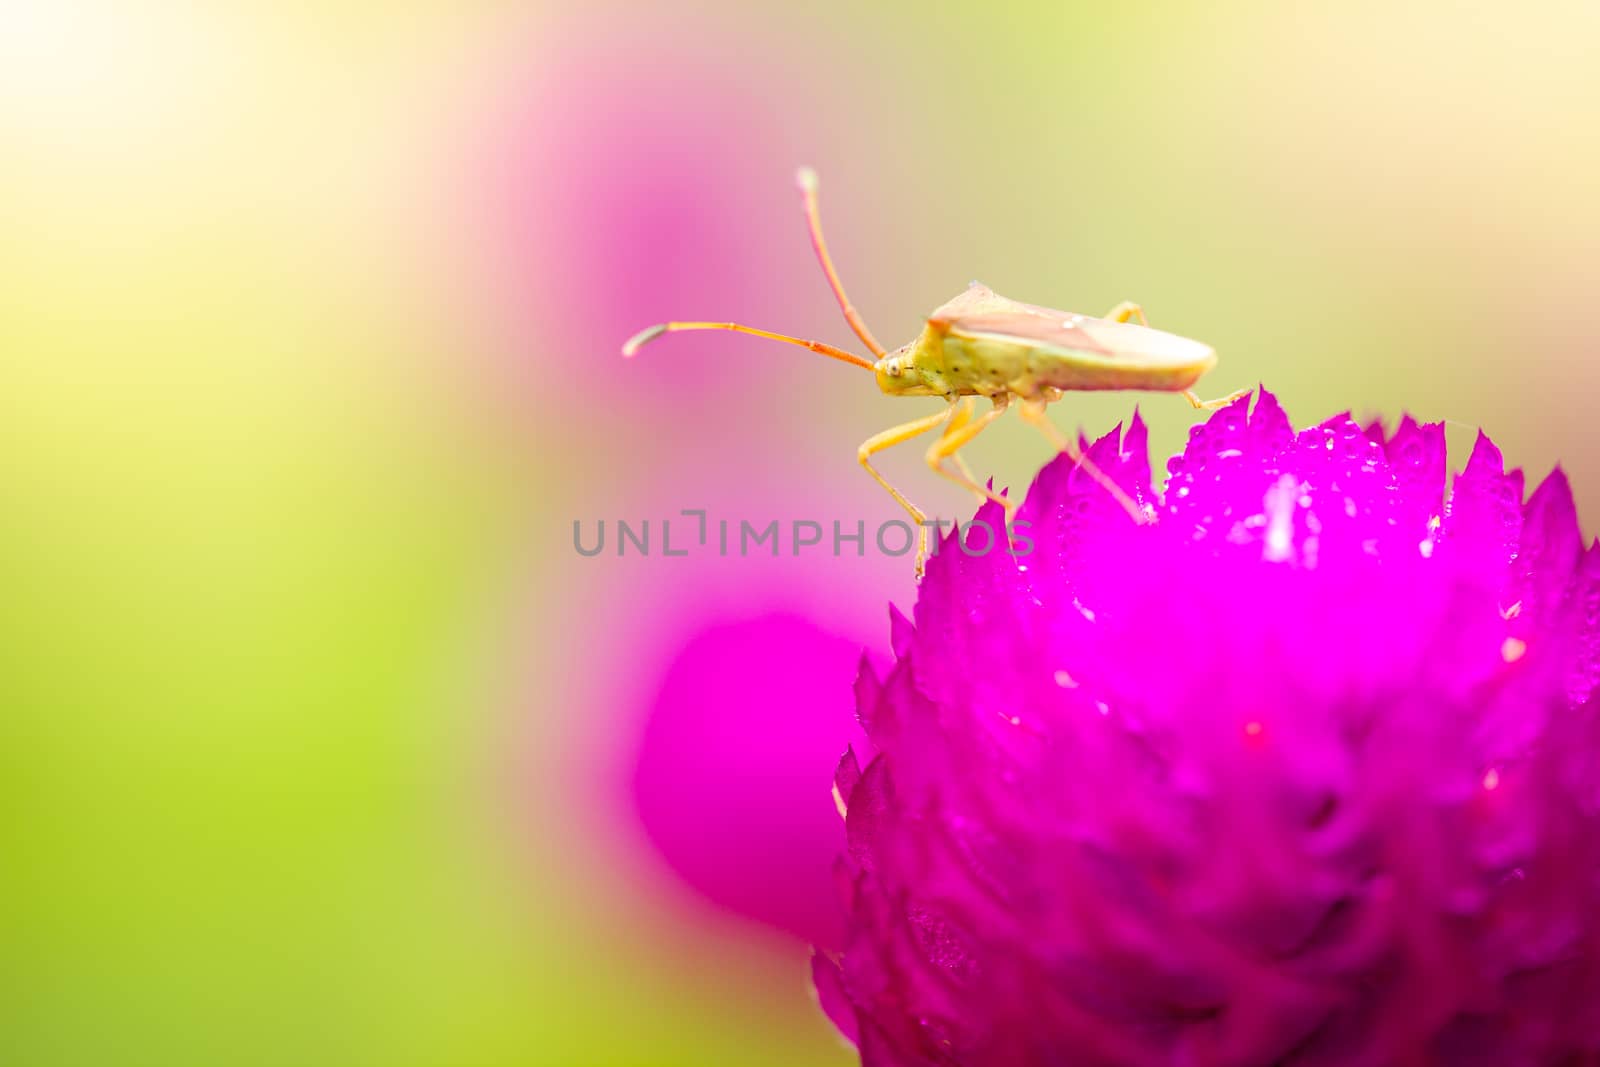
(983, 344)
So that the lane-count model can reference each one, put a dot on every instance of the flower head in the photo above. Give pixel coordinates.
(1304, 772)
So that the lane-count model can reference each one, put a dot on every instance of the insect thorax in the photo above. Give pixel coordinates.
(939, 363)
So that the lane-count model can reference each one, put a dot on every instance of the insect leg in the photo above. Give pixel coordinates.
(895, 435)
(957, 421)
(1212, 405)
(1125, 311)
(955, 437)
(1033, 413)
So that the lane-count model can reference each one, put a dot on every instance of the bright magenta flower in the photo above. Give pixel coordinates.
(1305, 772)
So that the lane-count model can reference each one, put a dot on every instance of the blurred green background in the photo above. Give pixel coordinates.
(308, 326)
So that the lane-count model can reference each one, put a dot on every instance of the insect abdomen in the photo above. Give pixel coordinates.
(960, 362)
(984, 365)
(1089, 371)
(989, 364)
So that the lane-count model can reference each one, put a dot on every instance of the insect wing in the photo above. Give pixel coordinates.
(982, 311)
(1061, 330)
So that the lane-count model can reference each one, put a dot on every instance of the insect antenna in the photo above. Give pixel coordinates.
(650, 333)
(806, 178)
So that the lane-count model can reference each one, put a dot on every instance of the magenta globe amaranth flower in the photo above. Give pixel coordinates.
(1305, 772)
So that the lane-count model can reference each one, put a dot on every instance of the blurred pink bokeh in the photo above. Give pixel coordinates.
(706, 755)
(624, 184)
(733, 766)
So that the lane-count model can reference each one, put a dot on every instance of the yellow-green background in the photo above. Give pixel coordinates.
(298, 667)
